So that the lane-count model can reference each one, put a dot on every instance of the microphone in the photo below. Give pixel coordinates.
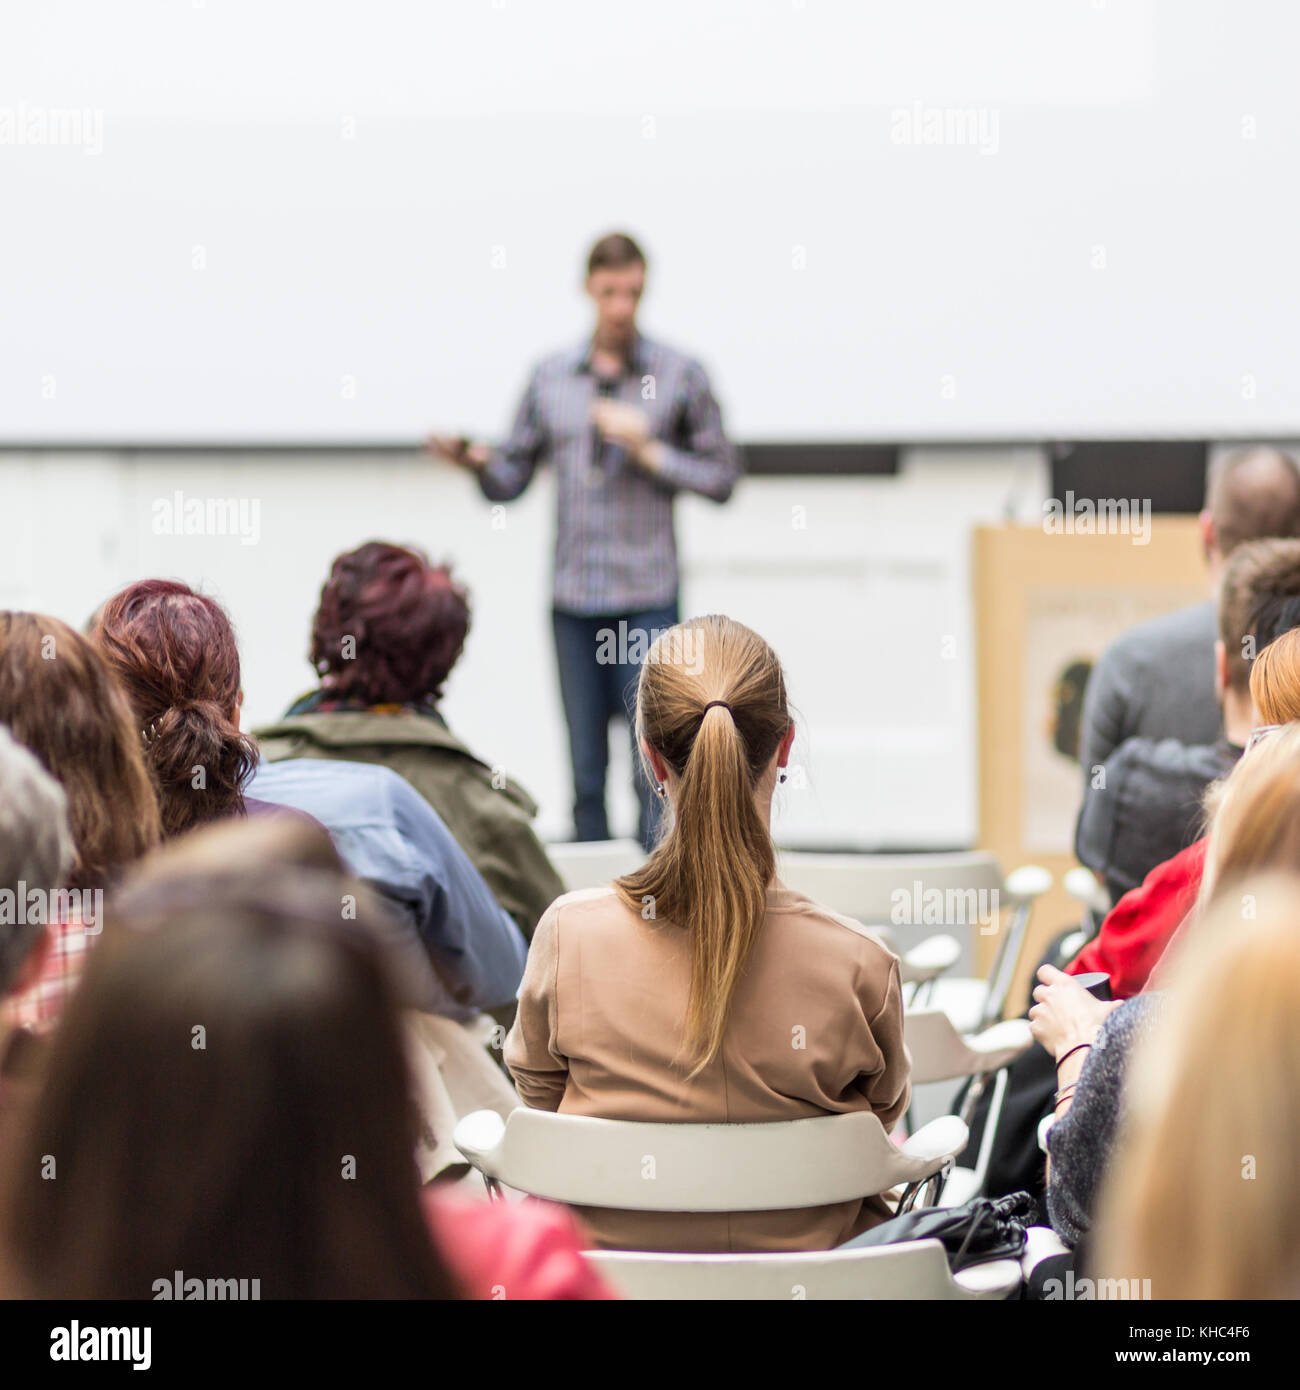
(608, 457)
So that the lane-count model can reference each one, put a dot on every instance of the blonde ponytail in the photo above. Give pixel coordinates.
(718, 727)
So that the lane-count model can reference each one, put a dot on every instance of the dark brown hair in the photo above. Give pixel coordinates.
(616, 251)
(1257, 575)
(709, 874)
(227, 1095)
(59, 699)
(389, 626)
(175, 653)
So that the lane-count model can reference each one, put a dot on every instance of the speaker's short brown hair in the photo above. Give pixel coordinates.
(616, 251)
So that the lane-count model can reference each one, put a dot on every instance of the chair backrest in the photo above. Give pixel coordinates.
(915, 895)
(940, 1053)
(634, 1166)
(885, 890)
(594, 863)
(914, 1269)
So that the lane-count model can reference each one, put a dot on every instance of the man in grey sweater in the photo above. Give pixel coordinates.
(1147, 806)
(1157, 680)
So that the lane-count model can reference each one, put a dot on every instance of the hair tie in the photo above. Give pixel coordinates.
(724, 705)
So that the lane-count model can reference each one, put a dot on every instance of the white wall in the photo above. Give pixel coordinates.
(857, 583)
(357, 220)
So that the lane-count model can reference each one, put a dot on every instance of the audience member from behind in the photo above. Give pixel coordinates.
(1259, 598)
(386, 635)
(674, 994)
(278, 1148)
(1157, 680)
(1146, 805)
(35, 853)
(175, 652)
(1202, 1199)
(1256, 829)
(1275, 681)
(59, 700)
(453, 1072)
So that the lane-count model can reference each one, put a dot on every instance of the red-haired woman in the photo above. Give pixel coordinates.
(174, 653)
(388, 630)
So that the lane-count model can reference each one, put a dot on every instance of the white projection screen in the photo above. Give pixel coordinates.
(229, 222)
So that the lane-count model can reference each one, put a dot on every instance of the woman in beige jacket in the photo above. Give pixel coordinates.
(700, 989)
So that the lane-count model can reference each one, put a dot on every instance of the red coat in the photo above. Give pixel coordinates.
(1138, 928)
(513, 1250)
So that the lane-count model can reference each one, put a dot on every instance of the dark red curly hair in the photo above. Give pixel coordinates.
(175, 653)
(407, 620)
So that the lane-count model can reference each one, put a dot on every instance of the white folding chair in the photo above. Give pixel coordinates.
(1041, 1243)
(975, 1004)
(916, 1269)
(940, 1053)
(594, 863)
(865, 887)
(885, 892)
(584, 1161)
(1090, 893)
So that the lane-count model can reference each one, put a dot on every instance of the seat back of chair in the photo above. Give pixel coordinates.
(634, 1166)
(886, 890)
(915, 1269)
(916, 895)
(594, 863)
(938, 1051)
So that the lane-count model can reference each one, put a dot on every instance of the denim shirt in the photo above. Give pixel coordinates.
(389, 836)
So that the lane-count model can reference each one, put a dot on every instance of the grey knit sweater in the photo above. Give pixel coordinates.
(1081, 1141)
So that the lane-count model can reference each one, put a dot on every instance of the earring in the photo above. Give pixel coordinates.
(662, 789)
(781, 778)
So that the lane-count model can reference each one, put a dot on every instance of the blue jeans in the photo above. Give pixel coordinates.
(595, 690)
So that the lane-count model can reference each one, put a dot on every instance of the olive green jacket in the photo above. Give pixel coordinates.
(489, 814)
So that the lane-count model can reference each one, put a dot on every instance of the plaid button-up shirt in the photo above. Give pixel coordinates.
(615, 550)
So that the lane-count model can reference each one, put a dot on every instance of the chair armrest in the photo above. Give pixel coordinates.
(1084, 887)
(989, 1279)
(945, 1137)
(1001, 1044)
(1026, 883)
(929, 959)
(478, 1136)
(1041, 1242)
(1044, 1129)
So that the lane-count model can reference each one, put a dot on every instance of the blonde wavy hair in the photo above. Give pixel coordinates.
(1200, 1196)
(1256, 814)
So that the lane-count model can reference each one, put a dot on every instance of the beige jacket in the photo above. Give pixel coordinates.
(816, 1028)
(453, 1075)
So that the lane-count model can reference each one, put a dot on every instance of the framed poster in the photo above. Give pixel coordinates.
(1047, 603)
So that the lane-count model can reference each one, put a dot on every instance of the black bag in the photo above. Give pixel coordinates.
(985, 1228)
